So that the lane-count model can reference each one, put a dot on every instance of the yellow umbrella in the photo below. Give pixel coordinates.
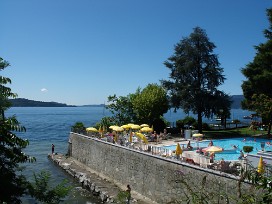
(125, 126)
(142, 137)
(118, 129)
(260, 166)
(144, 125)
(197, 135)
(213, 149)
(146, 129)
(130, 124)
(135, 127)
(112, 126)
(178, 150)
(91, 129)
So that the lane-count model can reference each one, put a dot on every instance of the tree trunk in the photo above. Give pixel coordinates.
(199, 121)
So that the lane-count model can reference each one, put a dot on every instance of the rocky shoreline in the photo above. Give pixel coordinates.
(104, 189)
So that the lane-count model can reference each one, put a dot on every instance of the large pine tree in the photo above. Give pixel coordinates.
(194, 78)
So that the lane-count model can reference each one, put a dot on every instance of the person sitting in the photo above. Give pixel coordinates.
(222, 163)
(189, 146)
(241, 155)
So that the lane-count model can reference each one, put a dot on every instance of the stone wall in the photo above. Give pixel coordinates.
(159, 179)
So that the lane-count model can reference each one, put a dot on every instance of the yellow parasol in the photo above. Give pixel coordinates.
(135, 127)
(112, 126)
(144, 125)
(197, 135)
(261, 166)
(146, 129)
(125, 127)
(130, 124)
(118, 129)
(213, 149)
(91, 129)
(178, 150)
(142, 137)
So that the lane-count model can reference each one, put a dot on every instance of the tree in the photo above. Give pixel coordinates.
(13, 183)
(41, 190)
(121, 108)
(79, 127)
(194, 77)
(150, 104)
(259, 77)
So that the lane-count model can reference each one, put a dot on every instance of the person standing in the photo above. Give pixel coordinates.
(53, 148)
(128, 193)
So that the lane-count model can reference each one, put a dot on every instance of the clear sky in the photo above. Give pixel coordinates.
(80, 52)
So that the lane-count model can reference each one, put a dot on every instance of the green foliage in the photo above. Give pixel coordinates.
(12, 182)
(144, 106)
(186, 122)
(121, 108)
(259, 182)
(205, 126)
(122, 197)
(259, 78)
(195, 76)
(247, 149)
(41, 190)
(150, 104)
(78, 127)
(105, 122)
(200, 192)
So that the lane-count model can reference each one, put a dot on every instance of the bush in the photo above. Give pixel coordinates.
(78, 127)
(248, 149)
(205, 126)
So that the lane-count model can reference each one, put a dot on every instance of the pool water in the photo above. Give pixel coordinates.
(227, 144)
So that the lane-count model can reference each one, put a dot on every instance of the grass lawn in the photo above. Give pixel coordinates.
(238, 132)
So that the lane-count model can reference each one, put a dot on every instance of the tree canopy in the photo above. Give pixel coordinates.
(258, 75)
(13, 184)
(150, 104)
(195, 75)
(143, 106)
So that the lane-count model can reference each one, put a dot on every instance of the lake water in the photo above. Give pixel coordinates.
(45, 126)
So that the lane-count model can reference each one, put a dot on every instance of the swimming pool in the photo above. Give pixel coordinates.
(227, 144)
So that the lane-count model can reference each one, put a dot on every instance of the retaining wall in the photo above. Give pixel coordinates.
(159, 179)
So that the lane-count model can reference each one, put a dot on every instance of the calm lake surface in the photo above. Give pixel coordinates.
(45, 126)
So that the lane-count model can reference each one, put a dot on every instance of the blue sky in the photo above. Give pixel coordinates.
(80, 52)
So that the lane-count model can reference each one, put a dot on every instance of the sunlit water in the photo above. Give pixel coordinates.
(45, 126)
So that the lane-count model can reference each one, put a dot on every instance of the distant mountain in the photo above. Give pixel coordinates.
(22, 102)
(236, 101)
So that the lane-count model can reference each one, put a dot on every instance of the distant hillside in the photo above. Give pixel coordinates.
(22, 102)
(95, 105)
(236, 101)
